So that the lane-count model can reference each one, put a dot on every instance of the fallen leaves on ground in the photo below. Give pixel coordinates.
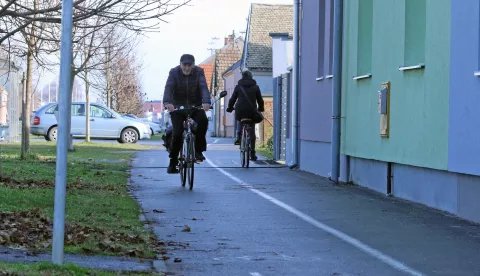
(14, 183)
(158, 211)
(4, 273)
(29, 184)
(186, 229)
(33, 230)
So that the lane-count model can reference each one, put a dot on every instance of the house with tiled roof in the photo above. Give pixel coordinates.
(225, 57)
(207, 66)
(257, 55)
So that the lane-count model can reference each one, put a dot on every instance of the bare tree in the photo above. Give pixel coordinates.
(97, 54)
(132, 14)
(32, 29)
(126, 89)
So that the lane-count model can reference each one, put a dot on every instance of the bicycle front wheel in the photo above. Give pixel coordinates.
(191, 161)
(182, 166)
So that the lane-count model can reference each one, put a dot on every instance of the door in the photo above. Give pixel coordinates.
(102, 123)
(78, 120)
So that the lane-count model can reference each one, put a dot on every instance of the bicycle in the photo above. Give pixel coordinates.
(245, 143)
(186, 158)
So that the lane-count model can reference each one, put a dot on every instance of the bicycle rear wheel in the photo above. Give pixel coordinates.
(191, 161)
(247, 149)
(242, 149)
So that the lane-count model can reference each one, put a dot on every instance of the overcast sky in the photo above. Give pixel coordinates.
(190, 30)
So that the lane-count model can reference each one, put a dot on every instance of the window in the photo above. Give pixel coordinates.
(321, 39)
(330, 40)
(99, 112)
(365, 26)
(415, 31)
(78, 110)
(52, 109)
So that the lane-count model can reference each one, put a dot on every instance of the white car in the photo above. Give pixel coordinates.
(104, 124)
(154, 127)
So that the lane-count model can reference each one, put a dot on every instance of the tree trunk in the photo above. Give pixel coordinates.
(107, 72)
(87, 108)
(23, 151)
(28, 99)
(69, 116)
(31, 42)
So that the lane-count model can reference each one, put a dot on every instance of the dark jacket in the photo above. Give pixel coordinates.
(243, 109)
(182, 90)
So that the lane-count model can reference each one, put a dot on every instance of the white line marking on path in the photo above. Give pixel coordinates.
(214, 142)
(255, 274)
(346, 238)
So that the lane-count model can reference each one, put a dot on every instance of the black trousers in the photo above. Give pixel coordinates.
(178, 117)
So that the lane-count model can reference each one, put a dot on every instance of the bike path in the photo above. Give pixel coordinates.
(269, 220)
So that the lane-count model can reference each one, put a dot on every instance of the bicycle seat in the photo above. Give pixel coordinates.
(246, 121)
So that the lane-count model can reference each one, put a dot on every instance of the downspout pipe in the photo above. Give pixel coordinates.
(337, 88)
(295, 80)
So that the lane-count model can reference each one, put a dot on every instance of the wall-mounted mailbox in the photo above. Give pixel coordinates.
(384, 109)
(382, 101)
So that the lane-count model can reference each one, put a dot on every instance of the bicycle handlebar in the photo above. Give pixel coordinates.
(187, 108)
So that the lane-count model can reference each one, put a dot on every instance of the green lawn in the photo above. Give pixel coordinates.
(157, 137)
(101, 217)
(47, 269)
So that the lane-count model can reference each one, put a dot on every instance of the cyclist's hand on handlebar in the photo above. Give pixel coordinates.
(229, 110)
(206, 107)
(170, 107)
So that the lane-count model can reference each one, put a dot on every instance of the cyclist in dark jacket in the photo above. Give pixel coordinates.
(186, 86)
(243, 108)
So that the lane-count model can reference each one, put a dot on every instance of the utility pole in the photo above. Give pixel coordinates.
(64, 109)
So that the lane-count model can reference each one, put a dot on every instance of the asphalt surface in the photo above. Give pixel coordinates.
(269, 220)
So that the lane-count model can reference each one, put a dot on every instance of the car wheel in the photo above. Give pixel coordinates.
(151, 132)
(52, 134)
(120, 141)
(129, 135)
(47, 138)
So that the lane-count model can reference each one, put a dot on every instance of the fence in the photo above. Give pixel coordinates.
(281, 118)
(10, 104)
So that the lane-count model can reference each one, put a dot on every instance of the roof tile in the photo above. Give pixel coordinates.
(265, 19)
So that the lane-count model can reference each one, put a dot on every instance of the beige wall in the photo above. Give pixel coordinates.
(230, 80)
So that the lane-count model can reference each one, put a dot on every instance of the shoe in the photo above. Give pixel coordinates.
(199, 157)
(172, 167)
(237, 141)
(253, 156)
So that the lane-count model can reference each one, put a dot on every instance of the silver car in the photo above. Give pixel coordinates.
(104, 123)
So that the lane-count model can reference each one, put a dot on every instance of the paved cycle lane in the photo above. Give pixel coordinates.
(269, 220)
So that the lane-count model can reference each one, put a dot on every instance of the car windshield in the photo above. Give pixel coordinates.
(117, 115)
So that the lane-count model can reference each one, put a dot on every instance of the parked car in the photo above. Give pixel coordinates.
(154, 128)
(104, 124)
